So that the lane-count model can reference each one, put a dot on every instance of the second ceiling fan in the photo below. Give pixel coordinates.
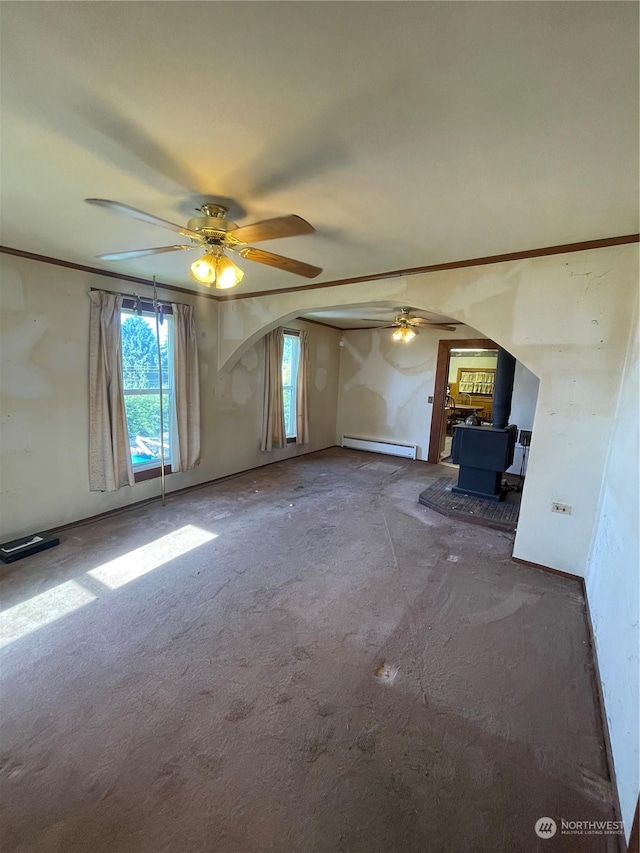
(216, 234)
(405, 322)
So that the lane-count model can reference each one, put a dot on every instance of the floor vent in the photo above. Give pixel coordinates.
(408, 451)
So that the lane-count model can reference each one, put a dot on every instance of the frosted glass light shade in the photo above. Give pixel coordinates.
(404, 334)
(216, 268)
(204, 269)
(227, 273)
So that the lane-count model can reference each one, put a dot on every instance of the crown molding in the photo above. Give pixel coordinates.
(561, 249)
(45, 259)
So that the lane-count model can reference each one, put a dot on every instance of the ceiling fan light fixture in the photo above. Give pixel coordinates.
(404, 334)
(214, 267)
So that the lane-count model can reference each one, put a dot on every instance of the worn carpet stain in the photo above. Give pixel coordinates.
(386, 673)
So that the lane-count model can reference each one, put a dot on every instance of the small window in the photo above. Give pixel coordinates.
(141, 380)
(290, 358)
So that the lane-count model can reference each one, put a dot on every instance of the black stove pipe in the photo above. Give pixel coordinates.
(503, 388)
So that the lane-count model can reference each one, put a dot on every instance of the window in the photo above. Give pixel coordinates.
(142, 387)
(290, 358)
(473, 380)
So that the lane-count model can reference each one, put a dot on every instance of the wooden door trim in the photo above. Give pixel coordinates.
(440, 385)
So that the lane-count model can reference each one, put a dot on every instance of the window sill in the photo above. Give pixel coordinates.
(150, 473)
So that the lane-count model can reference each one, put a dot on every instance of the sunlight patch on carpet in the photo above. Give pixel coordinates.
(42, 609)
(61, 600)
(134, 564)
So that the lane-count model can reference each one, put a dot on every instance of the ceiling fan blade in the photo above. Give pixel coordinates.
(140, 253)
(446, 326)
(270, 229)
(420, 321)
(118, 207)
(287, 264)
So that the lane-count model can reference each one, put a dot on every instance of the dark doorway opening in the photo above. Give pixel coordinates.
(442, 415)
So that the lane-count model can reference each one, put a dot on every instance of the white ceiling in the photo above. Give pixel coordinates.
(407, 133)
(374, 315)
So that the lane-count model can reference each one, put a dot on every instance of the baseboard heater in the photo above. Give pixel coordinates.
(409, 451)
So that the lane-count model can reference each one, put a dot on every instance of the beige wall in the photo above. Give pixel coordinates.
(385, 388)
(613, 586)
(44, 405)
(523, 410)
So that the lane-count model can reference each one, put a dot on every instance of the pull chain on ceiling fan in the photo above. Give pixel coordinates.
(216, 234)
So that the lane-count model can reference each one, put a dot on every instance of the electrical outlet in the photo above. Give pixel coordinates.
(564, 509)
(429, 399)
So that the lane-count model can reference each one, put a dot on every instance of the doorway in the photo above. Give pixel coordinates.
(463, 385)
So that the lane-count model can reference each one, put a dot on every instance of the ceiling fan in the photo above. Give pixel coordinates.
(404, 324)
(214, 233)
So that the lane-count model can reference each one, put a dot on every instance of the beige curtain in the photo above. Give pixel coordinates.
(109, 453)
(273, 428)
(302, 392)
(186, 388)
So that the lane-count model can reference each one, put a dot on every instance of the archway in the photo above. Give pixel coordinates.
(546, 312)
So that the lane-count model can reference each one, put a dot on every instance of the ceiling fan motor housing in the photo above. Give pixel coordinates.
(213, 225)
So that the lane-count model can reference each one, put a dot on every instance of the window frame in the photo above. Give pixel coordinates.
(294, 334)
(142, 308)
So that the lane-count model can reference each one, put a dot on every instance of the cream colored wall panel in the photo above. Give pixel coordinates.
(44, 346)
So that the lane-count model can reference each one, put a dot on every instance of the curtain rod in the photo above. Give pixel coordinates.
(137, 296)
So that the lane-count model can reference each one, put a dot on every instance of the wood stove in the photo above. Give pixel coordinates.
(483, 453)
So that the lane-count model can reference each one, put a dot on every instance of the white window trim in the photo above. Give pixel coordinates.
(166, 392)
(295, 360)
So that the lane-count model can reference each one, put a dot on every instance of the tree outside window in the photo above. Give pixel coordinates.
(142, 387)
(290, 358)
